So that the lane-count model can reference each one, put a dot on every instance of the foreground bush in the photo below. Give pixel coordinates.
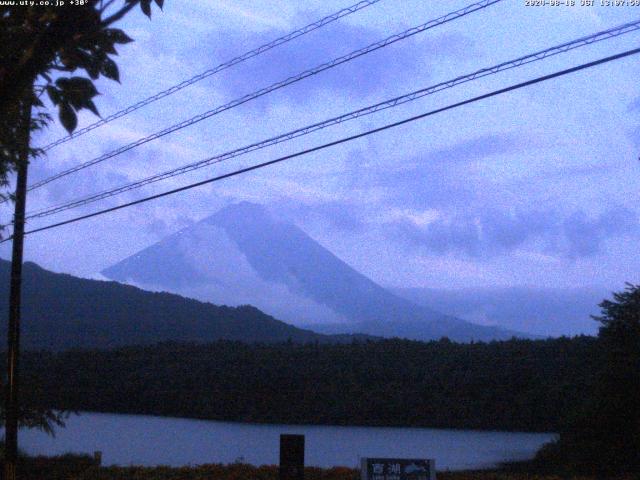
(84, 467)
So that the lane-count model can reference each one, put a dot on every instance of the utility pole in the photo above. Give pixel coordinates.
(13, 352)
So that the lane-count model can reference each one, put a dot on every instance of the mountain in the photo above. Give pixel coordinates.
(244, 255)
(541, 311)
(60, 311)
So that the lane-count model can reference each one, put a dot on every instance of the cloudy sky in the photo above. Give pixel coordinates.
(537, 187)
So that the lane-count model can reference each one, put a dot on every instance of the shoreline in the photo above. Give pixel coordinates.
(178, 441)
(309, 425)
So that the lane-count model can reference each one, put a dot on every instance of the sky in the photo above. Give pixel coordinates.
(537, 187)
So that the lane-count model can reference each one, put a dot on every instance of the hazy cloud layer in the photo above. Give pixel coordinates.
(496, 232)
(446, 176)
(386, 70)
(535, 185)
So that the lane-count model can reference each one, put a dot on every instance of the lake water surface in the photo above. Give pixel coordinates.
(147, 440)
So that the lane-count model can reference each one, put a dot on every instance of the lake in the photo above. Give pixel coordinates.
(148, 440)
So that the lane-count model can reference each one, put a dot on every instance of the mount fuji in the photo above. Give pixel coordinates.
(244, 255)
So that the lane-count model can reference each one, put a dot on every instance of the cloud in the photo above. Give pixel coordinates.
(585, 236)
(634, 135)
(476, 149)
(338, 215)
(634, 106)
(487, 234)
(444, 177)
(63, 190)
(342, 216)
(387, 69)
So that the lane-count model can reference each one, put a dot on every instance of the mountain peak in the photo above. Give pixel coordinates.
(241, 211)
(243, 254)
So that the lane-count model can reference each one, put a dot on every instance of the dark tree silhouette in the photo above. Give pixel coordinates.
(40, 47)
(604, 435)
(616, 403)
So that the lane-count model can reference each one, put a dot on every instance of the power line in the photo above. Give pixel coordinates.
(537, 56)
(223, 66)
(293, 79)
(342, 140)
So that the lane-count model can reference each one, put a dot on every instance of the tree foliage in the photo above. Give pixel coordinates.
(605, 434)
(41, 418)
(42, 50)
(514, 385)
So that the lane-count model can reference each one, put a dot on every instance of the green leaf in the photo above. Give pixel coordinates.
(145, 5)
(92, 106)
(70, 58)
(54, 94)
(160, 3)
(106, 43)
(93, 69)
(83, 85)
(77, 88)
(117, 35)
(68, 117)
(110, 70)
(76, 91)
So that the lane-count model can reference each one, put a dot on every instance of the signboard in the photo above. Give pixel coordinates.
(397, 469)
(291, 457)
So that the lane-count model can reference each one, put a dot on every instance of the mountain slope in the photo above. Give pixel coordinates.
(242, 254)
(60, 311)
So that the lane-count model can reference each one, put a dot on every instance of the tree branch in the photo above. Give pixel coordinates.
(119, 14)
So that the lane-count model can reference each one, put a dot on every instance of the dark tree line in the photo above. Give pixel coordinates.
(514, 385)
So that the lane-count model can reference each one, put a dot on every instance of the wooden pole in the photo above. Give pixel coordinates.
(13, 352)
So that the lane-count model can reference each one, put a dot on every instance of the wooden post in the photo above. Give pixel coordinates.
(13, 335)
(291, 457)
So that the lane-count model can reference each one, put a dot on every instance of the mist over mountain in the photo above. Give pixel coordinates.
(541, 311)
(60, 311)
(244, 255)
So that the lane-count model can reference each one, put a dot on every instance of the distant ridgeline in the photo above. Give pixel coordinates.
(525, 385)
(291, 376)
(61, 311)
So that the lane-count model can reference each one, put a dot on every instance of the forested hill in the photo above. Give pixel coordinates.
(60, 311)
(512, 385)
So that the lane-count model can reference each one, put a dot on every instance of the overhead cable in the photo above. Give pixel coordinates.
(293, 79)
(533, 57)
(340, 141)
(219, 68)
